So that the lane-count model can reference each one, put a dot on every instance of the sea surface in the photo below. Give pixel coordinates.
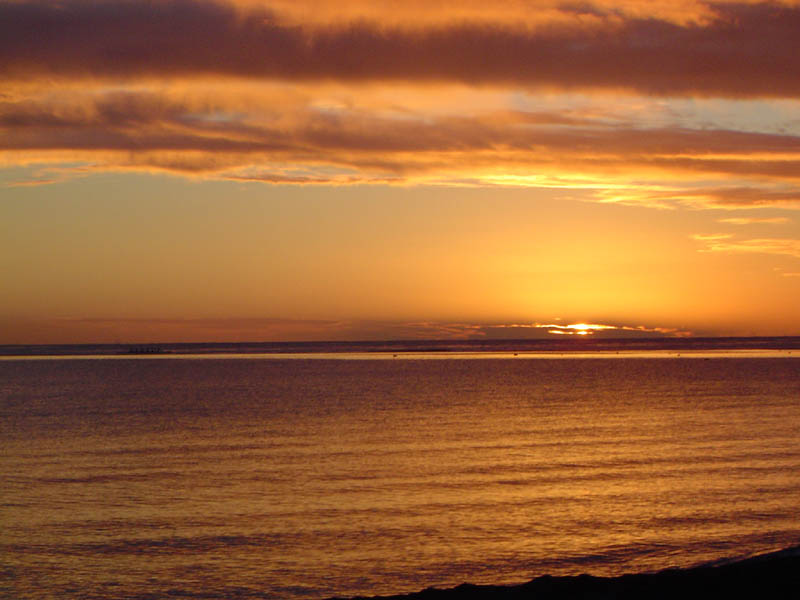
(309, 476)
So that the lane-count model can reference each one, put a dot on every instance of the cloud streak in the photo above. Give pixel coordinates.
(148, 330)
(727, 243)
(298, 140)
(737, 50)
(588, 329)
(755, 220)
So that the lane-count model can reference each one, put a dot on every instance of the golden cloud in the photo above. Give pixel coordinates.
(727, 243)
(755, 220)
(296, 137)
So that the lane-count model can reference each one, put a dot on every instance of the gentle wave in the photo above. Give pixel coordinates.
(265, 479)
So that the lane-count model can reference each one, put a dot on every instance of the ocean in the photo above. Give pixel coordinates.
(321, 475)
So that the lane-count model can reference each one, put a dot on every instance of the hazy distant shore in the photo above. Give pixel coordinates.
(773, 575)
(593, 344)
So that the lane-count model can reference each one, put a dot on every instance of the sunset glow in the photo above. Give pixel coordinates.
(248, 169)
(316, 299)
(579, 329)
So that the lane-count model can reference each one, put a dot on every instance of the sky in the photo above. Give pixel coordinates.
(248, 170)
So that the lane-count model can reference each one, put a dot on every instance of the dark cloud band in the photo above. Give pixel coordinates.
(744, 51)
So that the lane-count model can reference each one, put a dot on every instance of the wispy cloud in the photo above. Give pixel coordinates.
(755, 220)
(292, 138)
(587, 329)
(727, 243)
(711, 237)
(765, 189)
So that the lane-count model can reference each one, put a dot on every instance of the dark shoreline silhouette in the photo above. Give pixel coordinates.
(773, 575)
(582, 344)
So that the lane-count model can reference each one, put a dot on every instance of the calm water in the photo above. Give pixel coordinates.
(252, 477)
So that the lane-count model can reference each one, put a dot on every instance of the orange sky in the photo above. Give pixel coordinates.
(186, 170)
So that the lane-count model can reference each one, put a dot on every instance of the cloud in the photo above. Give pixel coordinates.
(711, 237)
(421, 12)
(293, 137)
(407, 97)
(573, 329)
(727, 243)
(34, 182)
(588, 329)
(735, 50)
(756, 193)
(754, 220)
(153, 330)
(443, 330)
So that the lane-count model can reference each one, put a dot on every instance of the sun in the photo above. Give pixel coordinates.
(581, 328)
(578, 328)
